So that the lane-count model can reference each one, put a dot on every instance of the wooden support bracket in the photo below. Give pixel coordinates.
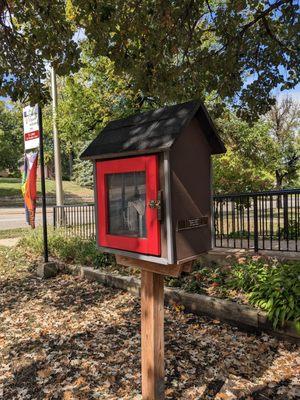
(168, 270)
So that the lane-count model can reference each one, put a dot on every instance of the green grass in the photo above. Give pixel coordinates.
(12, 233)
(20, 232)
(12, 187)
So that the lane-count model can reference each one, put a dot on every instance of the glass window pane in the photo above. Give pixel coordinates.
(126, 204)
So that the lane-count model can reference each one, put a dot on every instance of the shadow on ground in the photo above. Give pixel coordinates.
(67, 338)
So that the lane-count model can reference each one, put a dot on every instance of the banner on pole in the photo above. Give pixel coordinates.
(29, 186)
(31, 127)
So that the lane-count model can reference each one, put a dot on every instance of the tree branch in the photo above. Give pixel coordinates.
(262, 15)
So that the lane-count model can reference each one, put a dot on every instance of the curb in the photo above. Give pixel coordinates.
(222, 255)
(240, 315)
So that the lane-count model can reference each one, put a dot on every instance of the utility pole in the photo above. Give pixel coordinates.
(57, 155)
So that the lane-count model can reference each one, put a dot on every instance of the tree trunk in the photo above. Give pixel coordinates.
(279, 179)
(71, 164)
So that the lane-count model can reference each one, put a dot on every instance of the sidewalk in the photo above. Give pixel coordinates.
(14, 217)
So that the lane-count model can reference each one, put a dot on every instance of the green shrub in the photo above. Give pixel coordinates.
(273, 287)
(238, 235)
(73, 249)
(201, 278)
(83, 173)
(184, 283)
(247, 273)
(292, 232)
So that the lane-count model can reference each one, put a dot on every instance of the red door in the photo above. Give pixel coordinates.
(125, 189)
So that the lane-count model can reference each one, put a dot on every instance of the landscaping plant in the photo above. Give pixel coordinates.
(272, 286)
(71, 249)
(264, 283)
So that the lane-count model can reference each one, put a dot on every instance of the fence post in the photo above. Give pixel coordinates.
(255, 224)
(54, 217)
(285, 217)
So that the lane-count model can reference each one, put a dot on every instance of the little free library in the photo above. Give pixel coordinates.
(152, 179)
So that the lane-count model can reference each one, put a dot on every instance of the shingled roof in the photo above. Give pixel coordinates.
(154, 130)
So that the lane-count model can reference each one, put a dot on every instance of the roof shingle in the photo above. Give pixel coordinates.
(153, 130)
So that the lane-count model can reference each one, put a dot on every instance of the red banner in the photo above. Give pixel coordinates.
(31, 135)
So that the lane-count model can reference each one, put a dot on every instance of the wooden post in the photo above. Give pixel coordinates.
(152, 326)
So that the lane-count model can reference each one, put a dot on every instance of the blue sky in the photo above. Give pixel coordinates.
(295, 93)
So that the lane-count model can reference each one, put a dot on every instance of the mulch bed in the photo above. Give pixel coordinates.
(67, 338)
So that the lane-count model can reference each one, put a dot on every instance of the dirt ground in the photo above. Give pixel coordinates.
(67, 338)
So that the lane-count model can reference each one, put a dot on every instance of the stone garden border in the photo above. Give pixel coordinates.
(240, 315)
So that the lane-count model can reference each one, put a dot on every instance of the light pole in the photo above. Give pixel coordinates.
(57, 155)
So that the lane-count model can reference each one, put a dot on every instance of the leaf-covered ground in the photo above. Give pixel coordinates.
(67, 338)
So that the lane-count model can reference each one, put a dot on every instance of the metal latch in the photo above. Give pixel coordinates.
(157, 204)
(154, 204)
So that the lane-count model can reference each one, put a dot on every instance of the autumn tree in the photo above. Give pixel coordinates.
(247, 164)
(11, 137)
(92, 97)
(174, 50)
(284, 120)
(260, 156)
(33, 32)
(88, 100)
(96, 94)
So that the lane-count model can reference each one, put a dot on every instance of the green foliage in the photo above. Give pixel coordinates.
(261, 155)
(293, 230)
(12, 187)
(32, 32)
(83, 173)
(74, 250)
(11, 137)
(96, 94)
(171, 50)
(247, 164)
(247, 273)
(200, 279)
(179, 50)
(192, 286)
(235, 172)
(284, 121)
(265, 283)
(13, 233)
(91, 98)
(238, 234)
(273, 287)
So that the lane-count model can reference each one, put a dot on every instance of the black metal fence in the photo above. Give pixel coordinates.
(260, 221)
(75, 220)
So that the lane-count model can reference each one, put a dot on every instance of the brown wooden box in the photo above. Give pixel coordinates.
(183, 138)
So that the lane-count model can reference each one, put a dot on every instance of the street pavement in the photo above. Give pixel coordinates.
(14, 217)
